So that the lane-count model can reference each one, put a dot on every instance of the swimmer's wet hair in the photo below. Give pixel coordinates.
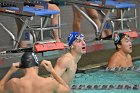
(118, 37)
(29, 59)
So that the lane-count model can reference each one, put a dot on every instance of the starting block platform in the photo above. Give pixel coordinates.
(18, 10)
(50, 46)
(132, 34)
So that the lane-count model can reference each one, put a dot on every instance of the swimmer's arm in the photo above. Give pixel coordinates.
(9, 73)
(60, 80)
(114, 62)
(48, 67)
(6, 78)
(61, 89)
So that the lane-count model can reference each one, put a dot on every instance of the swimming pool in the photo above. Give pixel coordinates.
(101, 80)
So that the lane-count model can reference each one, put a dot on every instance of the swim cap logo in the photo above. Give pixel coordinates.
(70, 37)
(117, 38)
(81, 36)
(35, 57)
(73, 36)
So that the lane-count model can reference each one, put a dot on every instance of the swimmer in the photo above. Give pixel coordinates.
(66, 65)
(7, 76)
(122, 57)
(31, 82)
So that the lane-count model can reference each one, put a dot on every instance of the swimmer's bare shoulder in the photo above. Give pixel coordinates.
(114, 60)
(63, 63)
(13, 81)
(11, 84)
(64, 59)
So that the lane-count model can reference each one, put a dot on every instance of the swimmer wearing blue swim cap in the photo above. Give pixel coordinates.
(73, 36)
(66, 65)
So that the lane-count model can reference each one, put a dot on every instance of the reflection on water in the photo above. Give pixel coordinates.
(128, 79)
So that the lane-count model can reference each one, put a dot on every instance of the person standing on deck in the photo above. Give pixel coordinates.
(122, 57)
(66, 65)
(54, 21)
(31, 82)
(93, 14)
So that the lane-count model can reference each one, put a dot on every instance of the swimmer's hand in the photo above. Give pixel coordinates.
(47, 65)
(14, 67)
(12, 70)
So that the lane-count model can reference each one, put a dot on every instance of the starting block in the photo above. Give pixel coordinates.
(132, 34)
(41, 47)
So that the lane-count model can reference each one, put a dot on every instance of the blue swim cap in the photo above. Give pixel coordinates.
(73, 36)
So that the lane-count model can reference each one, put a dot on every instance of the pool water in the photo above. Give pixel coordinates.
(103, 81)
(106, 91)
